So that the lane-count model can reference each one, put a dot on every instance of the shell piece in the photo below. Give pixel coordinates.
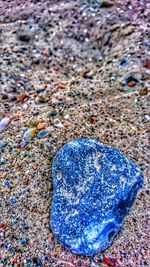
(29, 133)
(4, 123)
(94, 188)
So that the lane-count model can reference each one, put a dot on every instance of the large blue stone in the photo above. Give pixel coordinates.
(94, 189)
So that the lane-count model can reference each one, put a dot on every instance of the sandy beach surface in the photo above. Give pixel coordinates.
(70, 69)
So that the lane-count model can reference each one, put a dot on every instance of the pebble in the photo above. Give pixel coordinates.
(110, 262)
(3, 161)
(106, 3)
(131, 81)
(13, 200)
(6, 183)
(4, 123)
(22, 97)
(123, 62)
(147, 117)
(66, 117)
(42, 133)
(147, 65)
(41, 125)
(4, 175)
(58, 124)
(29, 133)
(2, 145)
(143, 91)
(94, 189)
(53, 113)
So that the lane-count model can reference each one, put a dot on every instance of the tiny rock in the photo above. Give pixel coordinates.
(4, 175)
(143, 91)
(41, 125)
(106, 3)
(4, 123)
(147, 65)
(22, 97)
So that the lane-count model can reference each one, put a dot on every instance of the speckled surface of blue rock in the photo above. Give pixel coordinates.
(94, 189)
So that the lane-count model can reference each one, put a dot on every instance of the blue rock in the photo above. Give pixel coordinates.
(13, 200)
(94, 189)
(42, 133)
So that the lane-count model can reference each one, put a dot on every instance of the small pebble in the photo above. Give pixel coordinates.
(123, 63)
(13, 200)
(3, 145)
(4, 123)
(147, 117)
(22, 97)
(58, 124)
(147, 65)
(143, 91)
(131, 81)
(42, 133)
(53, 113)
(41, 125)
(106, 3)
(29, 133)
(4, 175)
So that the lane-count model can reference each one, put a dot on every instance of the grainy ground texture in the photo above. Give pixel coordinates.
(70, 69)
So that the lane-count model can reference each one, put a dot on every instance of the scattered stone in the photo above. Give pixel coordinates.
(131, 81)
(88, 74)
(147, 65)
(29, 133)
(38, 91)
(106, 3)
(13, 200)
(3, 160)
(143, 91)
(58, 124)
(42, 133)
(66, 117)
(22, 97)
(41, 125)
(123, 63)
(53, 113)
(110, 262)
(4, 123)
(94, 189)
(4, 175)
(147, 117)
(2, 145)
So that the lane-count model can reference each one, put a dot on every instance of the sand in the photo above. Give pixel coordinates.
(68, 67)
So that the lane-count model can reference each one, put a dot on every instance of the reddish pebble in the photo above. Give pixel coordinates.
(84, 72)
(147, 65)
(131, 83)
(110, 262)
(56, 69)
(14, 261)
(1, 225)
(22, 97)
